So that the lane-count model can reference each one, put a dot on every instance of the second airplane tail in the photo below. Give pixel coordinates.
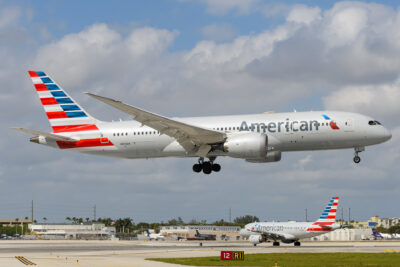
(328, 216)
(64, 114)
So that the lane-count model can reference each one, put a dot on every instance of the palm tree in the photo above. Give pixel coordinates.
(16, 226)
(44, 219)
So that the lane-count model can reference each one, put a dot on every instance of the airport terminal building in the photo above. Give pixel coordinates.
(72, 231)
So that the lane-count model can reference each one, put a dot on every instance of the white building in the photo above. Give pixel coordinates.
(384, 222)
(73, 231)
(345, 234)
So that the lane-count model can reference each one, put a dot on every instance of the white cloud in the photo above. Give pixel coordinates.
(9, 16)
(218, 32)
(382, 100)
(304, 14)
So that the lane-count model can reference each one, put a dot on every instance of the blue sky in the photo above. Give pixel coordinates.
(208, 58)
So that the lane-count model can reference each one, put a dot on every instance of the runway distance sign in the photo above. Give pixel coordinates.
(232, 255)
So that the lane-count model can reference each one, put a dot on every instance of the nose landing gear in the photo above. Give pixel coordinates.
(206, 166)
(357, 150)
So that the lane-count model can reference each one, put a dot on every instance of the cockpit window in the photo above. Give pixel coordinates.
(374, 123)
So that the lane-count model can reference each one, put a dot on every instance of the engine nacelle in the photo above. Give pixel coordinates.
(247, 145)
(272, 156)
(256, 239)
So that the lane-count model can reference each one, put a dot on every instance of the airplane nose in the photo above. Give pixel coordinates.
(386, 134)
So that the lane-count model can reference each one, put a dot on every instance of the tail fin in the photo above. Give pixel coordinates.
(148, 232)
(375, 233)
(64, 114)
(197, 233)
(328, 216)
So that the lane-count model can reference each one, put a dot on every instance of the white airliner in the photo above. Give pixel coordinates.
(256, 138)
(154, 236)
(292, 232)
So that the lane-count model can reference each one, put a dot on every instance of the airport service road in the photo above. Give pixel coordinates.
(133, 253)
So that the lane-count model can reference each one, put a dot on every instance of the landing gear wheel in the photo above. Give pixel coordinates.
(197, 167)
(297, 244)
(275, 244)
(357, 150)
(255, 245)
(216, 167)
(207, 167)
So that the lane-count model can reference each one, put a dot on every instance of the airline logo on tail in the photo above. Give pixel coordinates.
(375, 233)
(328, 216)
(64, 114)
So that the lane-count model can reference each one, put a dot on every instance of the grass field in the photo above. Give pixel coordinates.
(296, 259)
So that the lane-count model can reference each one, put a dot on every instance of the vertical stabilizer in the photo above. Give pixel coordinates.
(328, 216)
(64, 113)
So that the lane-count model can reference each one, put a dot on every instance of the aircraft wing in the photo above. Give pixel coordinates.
(190, 137)
(50, 135)
(275, 236)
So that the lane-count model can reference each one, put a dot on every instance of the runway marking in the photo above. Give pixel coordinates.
(77, 263)
(389, 250)
(24, 260)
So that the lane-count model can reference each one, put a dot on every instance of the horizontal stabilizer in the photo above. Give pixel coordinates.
(50, 135)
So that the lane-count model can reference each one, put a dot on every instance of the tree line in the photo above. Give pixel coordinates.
(127, 225)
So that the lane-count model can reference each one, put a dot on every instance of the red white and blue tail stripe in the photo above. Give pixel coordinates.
(328, 216)
(64, 114)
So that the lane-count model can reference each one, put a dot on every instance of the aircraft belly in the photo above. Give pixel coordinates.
(319, 141)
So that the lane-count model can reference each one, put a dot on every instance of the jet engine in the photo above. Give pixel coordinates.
(256, 239)
(246, 145)
(271, 156)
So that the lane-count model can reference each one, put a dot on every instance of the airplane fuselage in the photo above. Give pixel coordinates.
(292, 230)
(297, 131)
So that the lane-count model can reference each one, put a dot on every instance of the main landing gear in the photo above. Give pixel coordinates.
(206, 166)
(357, 150)
(275, 244)
(296, 243)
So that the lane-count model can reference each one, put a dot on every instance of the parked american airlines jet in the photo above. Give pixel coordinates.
(292, 232)
(256, 138)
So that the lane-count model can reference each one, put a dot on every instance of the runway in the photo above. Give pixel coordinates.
(134, 253)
